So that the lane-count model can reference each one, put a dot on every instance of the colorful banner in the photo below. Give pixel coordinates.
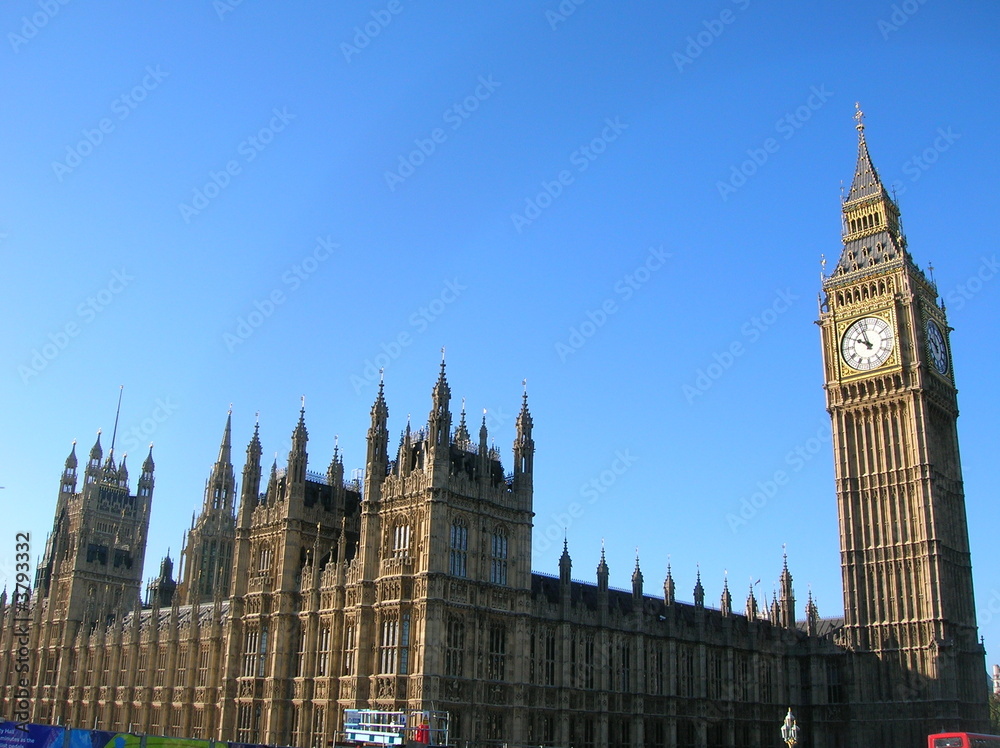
(17, 735)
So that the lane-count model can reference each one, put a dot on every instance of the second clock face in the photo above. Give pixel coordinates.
(936, 347)
(867, 343)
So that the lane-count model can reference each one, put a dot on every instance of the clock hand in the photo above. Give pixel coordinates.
(866, 341)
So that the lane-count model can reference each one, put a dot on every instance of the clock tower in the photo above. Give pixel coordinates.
(890, 388)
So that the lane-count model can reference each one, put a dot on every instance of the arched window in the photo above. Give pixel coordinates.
(459, 544)
(498, 557)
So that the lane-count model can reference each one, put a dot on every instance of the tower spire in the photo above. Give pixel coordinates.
(871, 228)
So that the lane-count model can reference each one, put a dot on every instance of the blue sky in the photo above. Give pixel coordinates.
(215, 203)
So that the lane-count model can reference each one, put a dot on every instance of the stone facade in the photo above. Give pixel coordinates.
(412, 588)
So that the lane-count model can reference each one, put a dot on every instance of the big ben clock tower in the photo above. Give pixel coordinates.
(909, 612)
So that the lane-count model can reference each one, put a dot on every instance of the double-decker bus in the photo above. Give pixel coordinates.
(962, 740)
(371, 727)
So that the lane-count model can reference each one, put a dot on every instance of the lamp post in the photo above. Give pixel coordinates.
(790, 730)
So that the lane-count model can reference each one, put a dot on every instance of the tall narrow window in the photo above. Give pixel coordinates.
(459, 549)
(549, 663)
(387, 650)
(262, 654)
(323, 664)
(588, 662)
(404, 645)
(454, 654)
(496, 661)
(498, 557)
(250, 645)
(349, 644)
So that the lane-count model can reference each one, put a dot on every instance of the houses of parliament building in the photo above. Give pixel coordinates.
(411, 588)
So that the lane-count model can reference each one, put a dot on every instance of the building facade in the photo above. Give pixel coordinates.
(412, 588)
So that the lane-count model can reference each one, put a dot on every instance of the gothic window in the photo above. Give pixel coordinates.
(498, 557)
(319, 726)
(296, 725)
(182, 653)
(588, 662)
(203, 666)
(656, 677)
(459, 549)
(98, 553)
(262, 654)
(387, 648)
(496, 660)
(243, 723)
(715, 667)
(350, 635)
(250, 644)
(531, 659)
(401, 541)
(404, 645)
(572, 663)
(264, 558)
(549, 663)
(454, 654)
(685, 675)
(198, 723)
(161, 668)
(322, 666)
(494, 726)
(140, 679)
(626, 667)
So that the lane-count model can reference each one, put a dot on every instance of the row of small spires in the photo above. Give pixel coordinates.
(441, 395)
(781, 607)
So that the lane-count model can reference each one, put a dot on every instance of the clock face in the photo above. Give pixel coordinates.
(936, 348)
(867, 344)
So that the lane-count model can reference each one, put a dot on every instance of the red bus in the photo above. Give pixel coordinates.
(962, 740)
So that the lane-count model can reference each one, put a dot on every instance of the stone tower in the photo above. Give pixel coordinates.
(441, 526)
(890, 390)
(207, 557)
(92, 566)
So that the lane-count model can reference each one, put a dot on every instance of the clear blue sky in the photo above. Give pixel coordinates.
(168, 170)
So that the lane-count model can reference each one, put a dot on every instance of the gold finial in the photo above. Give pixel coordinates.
(859, 116)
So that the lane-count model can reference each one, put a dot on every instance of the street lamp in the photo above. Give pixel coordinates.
(790, 730)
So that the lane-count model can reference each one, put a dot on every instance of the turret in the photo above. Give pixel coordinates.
(524, 448)
(220, 487)
(699, 591)
(668, 587)
(377, 460)
(726, 603)
(439, 420)
(602, 575)
(68, 483)
(786, 602)
(565, 565)
(751, 610)
(637, 584)
(462, 437)
(145, 489)
(122, 477)
(93, 470)
(298, 457)
(251, 479)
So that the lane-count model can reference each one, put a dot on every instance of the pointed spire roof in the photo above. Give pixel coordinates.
(866, 179)
(96, 451)
(71, 461)
(300, 435)
(254, 448)
(524, 422)
(441, 389)
(699, 590)
(226, 448)
(727, 599)
(148, 465)
(751, 609)
(380, 411)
